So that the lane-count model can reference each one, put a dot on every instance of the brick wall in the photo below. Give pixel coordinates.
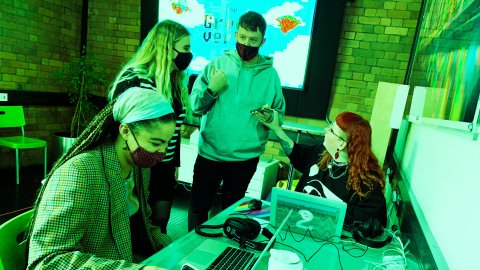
(375, 45)
(39, 37)
(113, 32)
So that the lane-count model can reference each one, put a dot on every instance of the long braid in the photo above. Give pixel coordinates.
(100, 128)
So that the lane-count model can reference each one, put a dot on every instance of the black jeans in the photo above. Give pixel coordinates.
(207, 176)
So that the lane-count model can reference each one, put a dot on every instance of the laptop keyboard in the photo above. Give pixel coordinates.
(233, 259)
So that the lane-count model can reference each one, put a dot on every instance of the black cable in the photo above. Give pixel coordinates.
(327, 242)
(298, 251)
(307, 232)
(354, 246)
(313, 137)
(346, 248)
(315, 253)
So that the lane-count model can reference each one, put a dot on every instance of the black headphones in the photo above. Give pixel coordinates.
(364, 231)
(241, 230)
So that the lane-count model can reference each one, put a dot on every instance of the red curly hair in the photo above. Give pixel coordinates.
(363, 168)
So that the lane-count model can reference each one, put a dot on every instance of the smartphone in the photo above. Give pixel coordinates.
(262, 110)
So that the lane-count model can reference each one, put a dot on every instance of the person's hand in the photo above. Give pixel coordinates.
(218, 80)
(263, 114)
(268, 119)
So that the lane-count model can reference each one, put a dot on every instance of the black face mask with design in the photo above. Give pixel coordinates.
(246, 52)
(144, 158)
(183, 59)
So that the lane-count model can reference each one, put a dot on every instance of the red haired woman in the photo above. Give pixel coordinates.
(342, 168)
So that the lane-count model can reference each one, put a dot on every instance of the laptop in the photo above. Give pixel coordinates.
(225, 254)
(319, 217)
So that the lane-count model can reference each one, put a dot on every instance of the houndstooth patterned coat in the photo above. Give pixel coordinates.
(83, 221)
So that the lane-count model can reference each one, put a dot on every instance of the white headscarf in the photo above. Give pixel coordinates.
(137, 104)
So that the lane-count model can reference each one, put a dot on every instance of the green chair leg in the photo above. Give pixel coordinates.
(17, 166)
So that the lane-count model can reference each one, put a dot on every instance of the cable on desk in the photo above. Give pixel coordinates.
(315, 253)
(305, 234)
(350, 246)
(396, 260)
(326, 242)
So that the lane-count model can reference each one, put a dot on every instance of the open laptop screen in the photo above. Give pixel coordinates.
(322, 218)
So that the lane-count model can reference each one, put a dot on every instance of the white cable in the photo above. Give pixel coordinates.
(406, 244)
(389, 266)
(393, 258)
(401, 250)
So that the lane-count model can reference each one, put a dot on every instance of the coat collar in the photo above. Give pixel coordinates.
(119, 218)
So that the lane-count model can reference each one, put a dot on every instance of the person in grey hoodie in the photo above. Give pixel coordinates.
(231, 138)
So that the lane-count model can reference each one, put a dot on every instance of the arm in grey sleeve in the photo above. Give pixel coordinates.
(279, 101)
(201, 98)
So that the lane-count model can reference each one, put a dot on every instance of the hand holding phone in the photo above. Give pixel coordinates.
(263, 114)
(262, 110)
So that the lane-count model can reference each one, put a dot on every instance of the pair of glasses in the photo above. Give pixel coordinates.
(330, 129)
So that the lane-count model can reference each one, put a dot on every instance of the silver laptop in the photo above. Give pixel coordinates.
(312, 215)
(225, 254)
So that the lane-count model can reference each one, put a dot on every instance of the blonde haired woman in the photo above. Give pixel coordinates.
(159, 65)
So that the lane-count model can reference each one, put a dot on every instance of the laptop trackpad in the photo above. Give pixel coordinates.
(205, 253)
(201, 257)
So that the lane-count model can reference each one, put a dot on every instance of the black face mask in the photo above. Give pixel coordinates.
(247, 52)
(183, 59)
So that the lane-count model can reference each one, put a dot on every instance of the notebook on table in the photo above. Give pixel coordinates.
(321, 217)
(217, 254)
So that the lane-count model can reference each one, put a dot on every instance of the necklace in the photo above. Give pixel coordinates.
(339, 166)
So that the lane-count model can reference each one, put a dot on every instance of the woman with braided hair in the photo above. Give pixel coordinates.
(91, 211)
(342, 168)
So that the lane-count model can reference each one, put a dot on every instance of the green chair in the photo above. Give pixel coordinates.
(12, 251)
(13, 117)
